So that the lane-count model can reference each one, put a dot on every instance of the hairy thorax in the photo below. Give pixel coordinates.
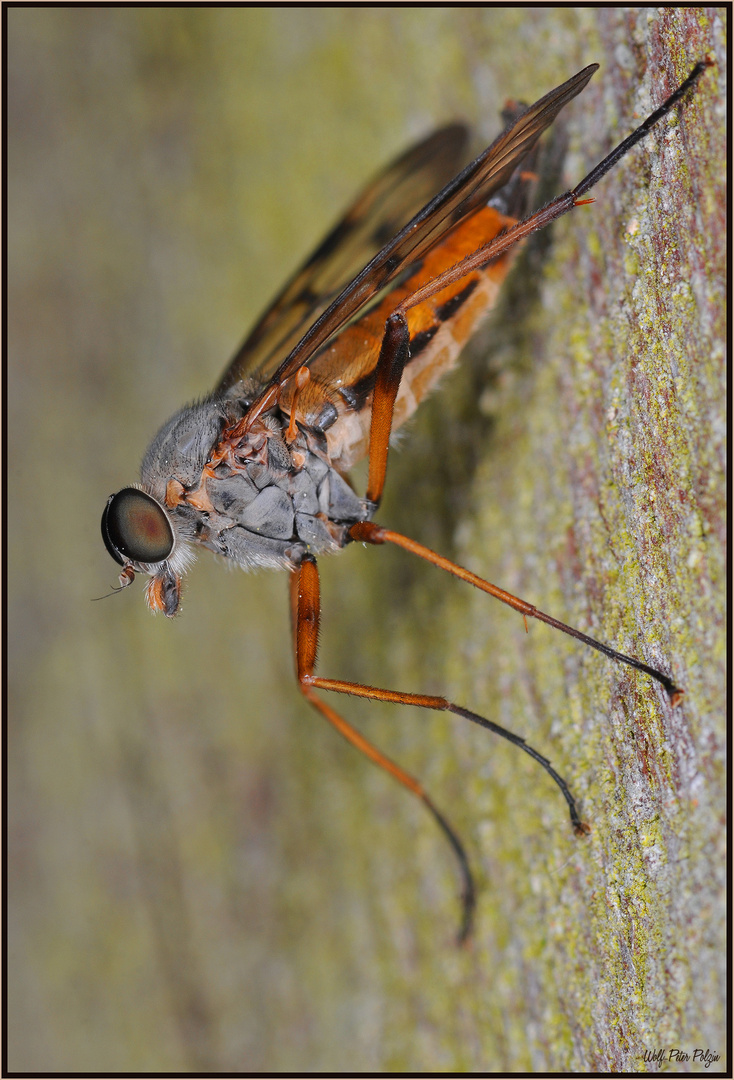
(244, 490)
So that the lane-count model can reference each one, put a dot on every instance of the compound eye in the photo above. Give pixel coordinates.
(135, 528)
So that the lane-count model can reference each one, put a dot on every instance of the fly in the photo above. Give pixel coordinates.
(257, 471)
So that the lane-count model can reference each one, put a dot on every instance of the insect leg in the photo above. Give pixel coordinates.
(640, 132)
(371, 533)
(305, 613)
(305, 609)
(556, 207)
(394, 355)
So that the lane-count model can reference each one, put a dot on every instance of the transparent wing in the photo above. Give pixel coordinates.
(466, 192)
(381, 209)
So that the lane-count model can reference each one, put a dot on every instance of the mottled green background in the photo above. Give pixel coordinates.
(202, 876)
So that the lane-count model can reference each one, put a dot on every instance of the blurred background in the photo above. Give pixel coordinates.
(202, 876)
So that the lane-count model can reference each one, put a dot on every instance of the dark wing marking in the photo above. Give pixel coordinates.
(381, 209)
(469, 190)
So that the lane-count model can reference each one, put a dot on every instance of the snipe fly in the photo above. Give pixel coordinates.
(257, 471)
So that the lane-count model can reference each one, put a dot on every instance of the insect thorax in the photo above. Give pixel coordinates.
(244, 491)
